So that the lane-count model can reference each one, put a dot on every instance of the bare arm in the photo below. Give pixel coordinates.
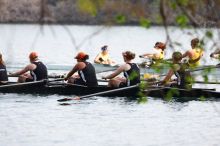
(78, 66)
(117, 72)
(186, 54)
(24, 70)
(168, 76)
(97, 59)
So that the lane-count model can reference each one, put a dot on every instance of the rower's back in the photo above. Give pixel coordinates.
(88, 74)
(40, 72)
(132, 75)
(3, 70)
(184, 78)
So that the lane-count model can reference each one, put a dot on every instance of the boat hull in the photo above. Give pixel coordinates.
(166, 93)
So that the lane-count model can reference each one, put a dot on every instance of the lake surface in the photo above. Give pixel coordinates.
(32, 120)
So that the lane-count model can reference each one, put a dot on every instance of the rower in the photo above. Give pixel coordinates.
(195, 54)
(103, 57)
(183, 77)
(216, 55)
(131, 72)
(86, 72)
(158, 55)
(3, 72)
(38, 71)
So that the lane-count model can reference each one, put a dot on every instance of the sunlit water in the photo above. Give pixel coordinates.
(32, 120)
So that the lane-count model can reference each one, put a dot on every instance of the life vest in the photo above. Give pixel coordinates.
(132, 75)
(103, 58)
(40, 71)
(195, 60)
(161, 56)
(88, 75)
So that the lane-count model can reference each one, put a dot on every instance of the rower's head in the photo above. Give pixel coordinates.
(33, 56)
(1, 59)
(81, 56)
(177, 57)
(104, 49)
(128, 55)
(194, 42)
(160, 45)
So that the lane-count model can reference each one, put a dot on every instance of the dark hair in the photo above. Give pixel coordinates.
(129, 55)
(86, 57)
(177, 56)
(195, 41)
(160, 45)
(1, 59)
(104, 48)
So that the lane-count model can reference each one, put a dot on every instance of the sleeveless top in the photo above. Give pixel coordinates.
(88, 75)
(195, 60)
(132, 75)
(184, 78)
(103, 57)
(3, 73)
(40, 72)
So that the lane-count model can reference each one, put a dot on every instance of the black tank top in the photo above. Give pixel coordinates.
(132, 75)
(88, 75)
(184, 78)
(40, 72)
(3, 73)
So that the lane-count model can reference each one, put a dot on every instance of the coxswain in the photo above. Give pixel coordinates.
(180, 70)
(38, 71)
(86, 72)
(158, 56)
(103, 57)
(216, 55)
(131, 72)
(195, 54)
(3, 72)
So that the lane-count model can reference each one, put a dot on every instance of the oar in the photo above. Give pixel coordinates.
(99, 93)
(205, 67)
(204, 82)
(30, 83)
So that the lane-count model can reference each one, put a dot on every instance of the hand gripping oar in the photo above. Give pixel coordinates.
(100, 93)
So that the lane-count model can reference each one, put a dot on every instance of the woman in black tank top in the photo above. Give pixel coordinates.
(38, 71)
(183, 77)
(3, 71)
(131, 72)
(86, 72)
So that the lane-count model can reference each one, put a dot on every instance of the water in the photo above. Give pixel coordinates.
(40, 121)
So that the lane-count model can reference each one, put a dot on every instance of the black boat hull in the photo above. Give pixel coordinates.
(70, 89)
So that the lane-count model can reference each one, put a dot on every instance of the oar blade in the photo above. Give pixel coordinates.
(64, 99)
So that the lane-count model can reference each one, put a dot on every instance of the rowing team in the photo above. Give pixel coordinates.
(86, 72)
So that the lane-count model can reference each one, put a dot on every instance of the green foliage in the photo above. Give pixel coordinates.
(90, 6)
(182, 21)
(146, 23)
(142, 99)
(120, 19)
(202, 98)
(170, 93)
(183, 2)
(209, 34)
